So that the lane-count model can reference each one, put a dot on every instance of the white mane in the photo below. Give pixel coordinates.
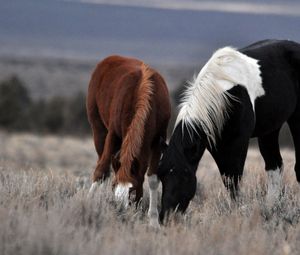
(206, 100)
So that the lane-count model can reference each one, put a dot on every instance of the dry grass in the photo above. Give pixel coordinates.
(44, 208)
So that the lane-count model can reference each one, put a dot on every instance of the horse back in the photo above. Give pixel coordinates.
(113, 90)
(280, 71)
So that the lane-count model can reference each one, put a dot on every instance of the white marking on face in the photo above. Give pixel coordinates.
(153, 211)
(274, 185)
(122, 193)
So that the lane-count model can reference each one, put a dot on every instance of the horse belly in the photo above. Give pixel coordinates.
(273, 109)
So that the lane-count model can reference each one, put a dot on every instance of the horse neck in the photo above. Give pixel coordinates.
(188, 146)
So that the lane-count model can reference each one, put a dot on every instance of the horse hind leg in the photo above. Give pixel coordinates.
(103, 165)
(98, 128)
(99, 133)
(99, 136)
(270, 151)
(294, 124)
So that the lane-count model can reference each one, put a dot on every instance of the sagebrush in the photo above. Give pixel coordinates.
(44, 207)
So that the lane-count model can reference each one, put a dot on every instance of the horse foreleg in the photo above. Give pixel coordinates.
(269, 149)
(294, 124)
(153, 211)
(102, 168)
(230, 159)
(153, 187)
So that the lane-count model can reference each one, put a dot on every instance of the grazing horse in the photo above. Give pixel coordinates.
(128, 109)
(237, 95)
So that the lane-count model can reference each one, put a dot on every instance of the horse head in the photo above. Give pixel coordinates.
(177, 170)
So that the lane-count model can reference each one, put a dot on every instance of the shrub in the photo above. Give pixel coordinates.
(76, 121)
(18, 112)
(14, 104)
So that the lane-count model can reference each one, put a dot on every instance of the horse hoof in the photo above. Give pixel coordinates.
(153, 223)
(93, 189)
(122, 193)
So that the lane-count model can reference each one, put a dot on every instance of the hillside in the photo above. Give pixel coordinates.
(48, 77)
(92, 31)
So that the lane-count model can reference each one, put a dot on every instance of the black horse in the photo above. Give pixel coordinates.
(237, 95)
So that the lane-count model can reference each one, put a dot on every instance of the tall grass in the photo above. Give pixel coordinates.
(44, 208)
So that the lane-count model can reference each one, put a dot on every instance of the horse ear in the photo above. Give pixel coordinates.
(115, 162)
(163, 144)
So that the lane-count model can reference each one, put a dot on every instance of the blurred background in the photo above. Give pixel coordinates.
(48, 49)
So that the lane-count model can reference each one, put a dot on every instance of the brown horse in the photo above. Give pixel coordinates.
(128, 109)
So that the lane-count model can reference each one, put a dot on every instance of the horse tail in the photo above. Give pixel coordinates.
(133, 141)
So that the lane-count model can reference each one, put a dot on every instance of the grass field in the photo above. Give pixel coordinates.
(44, 207)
